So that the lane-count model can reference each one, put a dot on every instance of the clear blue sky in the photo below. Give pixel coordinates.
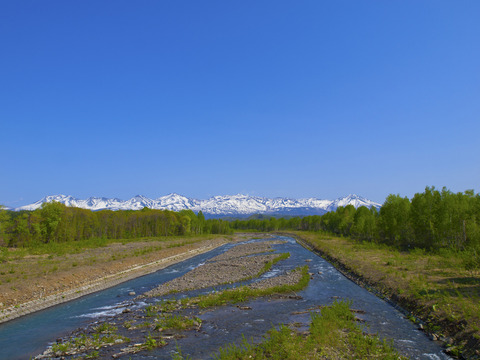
(269, 98)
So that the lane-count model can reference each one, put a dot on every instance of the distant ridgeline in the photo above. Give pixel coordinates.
(235, 206)
(432, 219)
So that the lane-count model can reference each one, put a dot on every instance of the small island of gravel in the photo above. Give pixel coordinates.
(242, 262)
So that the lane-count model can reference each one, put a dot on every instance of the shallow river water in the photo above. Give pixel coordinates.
(31, 334)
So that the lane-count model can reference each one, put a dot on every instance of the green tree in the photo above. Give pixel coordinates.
(50, 215)
(394, 221)
(365, 223)
(4, 225)
(346, 215)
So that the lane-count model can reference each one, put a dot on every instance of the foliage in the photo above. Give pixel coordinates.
(176, 322)
(57, 223)
(430, 220)
(104, 334)
(150, 343)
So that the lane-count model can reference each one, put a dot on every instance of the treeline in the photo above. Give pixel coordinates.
(432, 219)
(55, 222)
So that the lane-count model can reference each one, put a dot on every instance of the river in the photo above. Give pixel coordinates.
(30, 335)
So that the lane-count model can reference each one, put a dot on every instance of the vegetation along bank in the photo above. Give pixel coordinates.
(422, 253)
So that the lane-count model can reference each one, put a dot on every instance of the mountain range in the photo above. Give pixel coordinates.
(217, 206)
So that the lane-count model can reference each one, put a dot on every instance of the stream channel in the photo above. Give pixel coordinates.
(28, 336)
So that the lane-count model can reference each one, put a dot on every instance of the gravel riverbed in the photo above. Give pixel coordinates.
(241, 262)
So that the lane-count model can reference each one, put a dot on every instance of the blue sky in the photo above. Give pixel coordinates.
(269, 98)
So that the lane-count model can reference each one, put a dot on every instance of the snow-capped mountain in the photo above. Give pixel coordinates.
(216, 206)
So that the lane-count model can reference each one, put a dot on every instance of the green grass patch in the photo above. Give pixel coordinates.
(103, 335)
(270, 264)
(176, 322)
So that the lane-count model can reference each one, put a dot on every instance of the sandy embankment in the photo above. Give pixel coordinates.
(118, 272)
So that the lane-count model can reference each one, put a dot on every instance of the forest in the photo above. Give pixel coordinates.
(430, 220)
(55, 222)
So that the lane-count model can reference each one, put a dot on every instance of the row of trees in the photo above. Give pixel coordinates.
(429, 220)
(55, 222)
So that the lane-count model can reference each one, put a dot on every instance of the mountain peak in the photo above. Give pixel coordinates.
(215, 206)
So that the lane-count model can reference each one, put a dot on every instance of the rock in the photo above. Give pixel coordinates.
(131, 293)
(127, 310)
(357, 311)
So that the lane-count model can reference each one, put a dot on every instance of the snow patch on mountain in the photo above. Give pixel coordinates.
(216, 206)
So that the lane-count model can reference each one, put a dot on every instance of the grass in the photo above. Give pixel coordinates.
(176, 322)
(437, 288)
(163, 306)
(269, 264)
(75, 247)
(150, 343)
(103, 335)
(333, 335)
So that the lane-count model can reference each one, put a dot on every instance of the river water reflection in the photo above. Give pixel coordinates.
(21, 338)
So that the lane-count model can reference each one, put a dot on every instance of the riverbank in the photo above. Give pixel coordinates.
(441, 297)
(32, 283)
(166, 320)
